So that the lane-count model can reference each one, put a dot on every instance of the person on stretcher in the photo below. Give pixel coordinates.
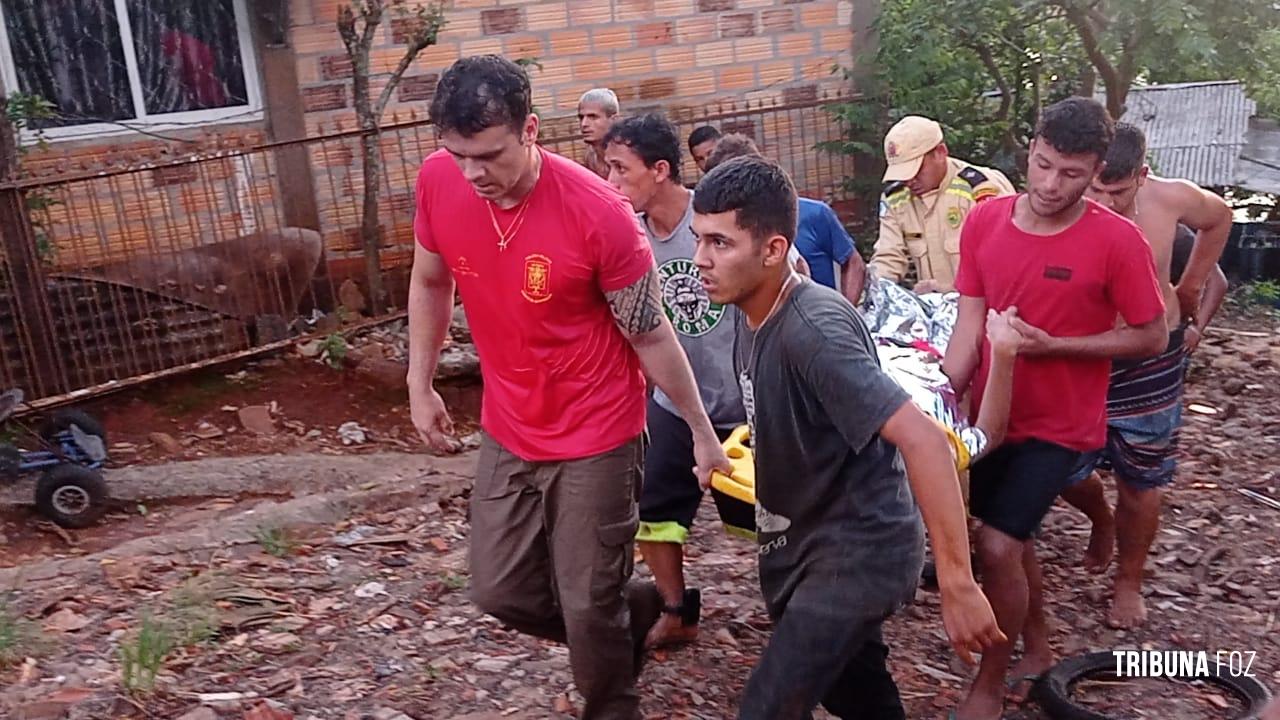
(920, 374)
(986, 431)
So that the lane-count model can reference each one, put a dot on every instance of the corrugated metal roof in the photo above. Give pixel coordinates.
(1194, 130)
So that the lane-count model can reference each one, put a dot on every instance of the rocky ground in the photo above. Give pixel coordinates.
(284, 574)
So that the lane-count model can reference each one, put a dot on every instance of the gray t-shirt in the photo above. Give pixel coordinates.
(832, 500)
(704, 328)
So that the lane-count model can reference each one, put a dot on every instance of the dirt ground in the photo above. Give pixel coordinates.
(365, 615)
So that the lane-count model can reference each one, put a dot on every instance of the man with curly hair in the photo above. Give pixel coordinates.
(1072, 268)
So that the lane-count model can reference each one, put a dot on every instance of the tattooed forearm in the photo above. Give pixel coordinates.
(637, 308)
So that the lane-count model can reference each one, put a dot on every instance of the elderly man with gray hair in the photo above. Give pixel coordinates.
(596, 111)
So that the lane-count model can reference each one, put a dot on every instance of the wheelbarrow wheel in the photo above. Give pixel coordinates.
(62, 420)
(72, 496)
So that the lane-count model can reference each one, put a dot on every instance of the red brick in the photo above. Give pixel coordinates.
(175, 174)
(778, 20)
(418, 88)
(659, 33)
(502, 21)
(324, 97)
(738, 25)
(715, 5)
(800, 94)
(656, 88)
(335, 67)
(403, 28)
(743, 127)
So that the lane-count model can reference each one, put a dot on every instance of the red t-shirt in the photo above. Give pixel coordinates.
(560, 379)
(1071, 284)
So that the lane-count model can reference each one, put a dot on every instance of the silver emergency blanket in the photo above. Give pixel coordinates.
(920, 374)
(895, 313)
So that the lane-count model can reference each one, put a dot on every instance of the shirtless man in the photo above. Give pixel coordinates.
(1144, 402)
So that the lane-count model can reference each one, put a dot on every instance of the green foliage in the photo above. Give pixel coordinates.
(275, 541)
(985, 68)
(333, 350)
(1264, 292)
(144, 652)
(19, 638)
(25, 111)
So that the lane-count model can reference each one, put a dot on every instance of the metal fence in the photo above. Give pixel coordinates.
(113, 276)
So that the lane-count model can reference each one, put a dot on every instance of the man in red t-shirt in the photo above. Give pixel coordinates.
(561, 294)
(1071, 268)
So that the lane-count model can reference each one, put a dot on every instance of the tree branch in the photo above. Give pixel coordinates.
(989, 61)
(1093, 49)
(372, 19)
(429, 21)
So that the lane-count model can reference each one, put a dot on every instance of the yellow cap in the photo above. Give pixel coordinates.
(905, 146)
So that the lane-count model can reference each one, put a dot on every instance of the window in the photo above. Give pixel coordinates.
(111, 65)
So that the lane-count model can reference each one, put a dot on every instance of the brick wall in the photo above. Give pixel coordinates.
(687, 56)
(651, 52)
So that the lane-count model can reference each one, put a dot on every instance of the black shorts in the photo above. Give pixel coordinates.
(1013, 488)
(670, 495)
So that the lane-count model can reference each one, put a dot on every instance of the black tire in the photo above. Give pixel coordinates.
(72, 496)
(1053, 690)
(62, 420)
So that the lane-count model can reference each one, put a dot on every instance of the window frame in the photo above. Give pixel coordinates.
(252, 111)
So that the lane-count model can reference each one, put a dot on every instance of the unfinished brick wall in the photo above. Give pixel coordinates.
(651, 52)
(688, 57)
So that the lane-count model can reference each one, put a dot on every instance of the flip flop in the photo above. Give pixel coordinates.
(1011, 684)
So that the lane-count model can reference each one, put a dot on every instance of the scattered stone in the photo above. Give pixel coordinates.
(350, 296)
(208, 431)
(278, 643)
(165, 442)
(310, 349)
(384, 373)
(200, 713)
(352, 434)
(371, 589)
(66, 620)
(257, 420)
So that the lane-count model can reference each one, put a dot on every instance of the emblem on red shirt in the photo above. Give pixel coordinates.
(537, 278)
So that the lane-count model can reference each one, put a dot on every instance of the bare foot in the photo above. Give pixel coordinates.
(670, 631)
(1128, 610)
(980, 705)
(1024, 674)
(1102, 547)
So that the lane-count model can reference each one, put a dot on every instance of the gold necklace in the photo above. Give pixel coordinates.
(505, 237)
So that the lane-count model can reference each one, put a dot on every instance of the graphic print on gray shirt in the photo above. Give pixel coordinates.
(704, 328)
(832, 500)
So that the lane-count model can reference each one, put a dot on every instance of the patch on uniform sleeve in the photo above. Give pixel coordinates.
(985, 193)
(973, 176)
(884, 207)
(954, 217)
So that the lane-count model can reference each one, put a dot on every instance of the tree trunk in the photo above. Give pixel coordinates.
(370, 231)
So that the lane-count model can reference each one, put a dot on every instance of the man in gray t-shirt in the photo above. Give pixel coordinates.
(841, 542)
(643, 156)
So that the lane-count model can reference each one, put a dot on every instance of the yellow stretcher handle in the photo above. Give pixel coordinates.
(741, 483)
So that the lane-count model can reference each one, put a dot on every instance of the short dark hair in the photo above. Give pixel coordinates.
(701, 135)
(1077, 126)
(731, 146)
(1127, 154)
(477, 93)
(652, 137)
(758, 189)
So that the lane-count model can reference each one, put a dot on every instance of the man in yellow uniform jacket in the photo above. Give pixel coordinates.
(926, 198)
